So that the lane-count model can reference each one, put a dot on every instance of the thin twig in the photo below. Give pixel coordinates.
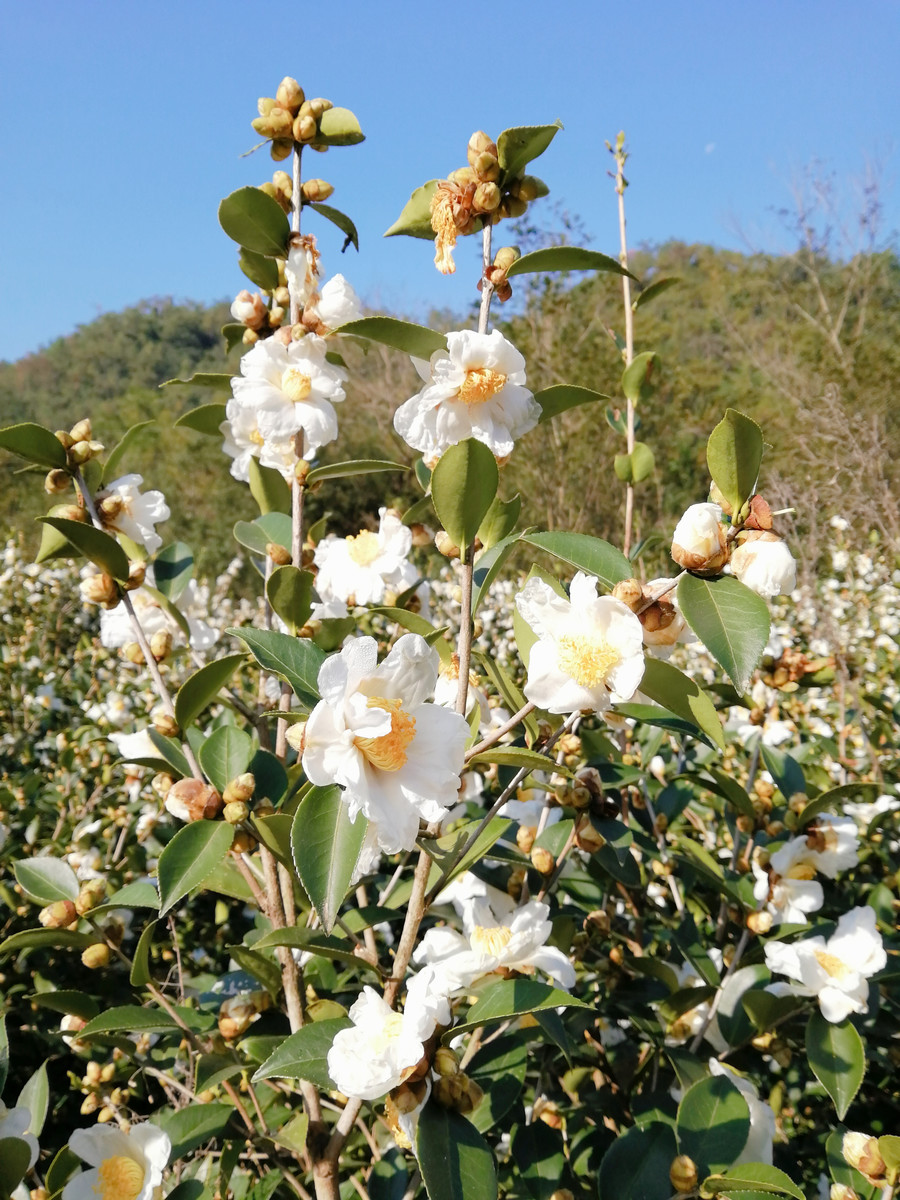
(496, 734)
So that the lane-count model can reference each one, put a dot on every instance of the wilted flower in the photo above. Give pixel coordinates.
(474, 389)
(764, 564)
(125, 509)
(698, 543)
(590, 649)
(126, 1166)
(302, 270)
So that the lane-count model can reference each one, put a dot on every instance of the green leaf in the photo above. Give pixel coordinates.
(487, 567)
(652, 290)
(837, 1058)
(826, 800)
(729, 789)
(201, 689)
(335, 949)
(588, 554)
(785, 770)
(513, 998)
(389, 1177)
(289, 591)
(325, 845)
(259, 270)
(295, 659)
(519, 146)
(205, 418)
(499, 521)
(140, 974)
(445, 848)
(518, 757)
(734, 454)
(343, 222)
(102, 550)
(4, 1052)
(674, 690)
(636, 1166)
(636, 377)
(173, 568)
(216, 380)
(225, 754)
(255, 221)
(512, 696)
(416, 340)
(53, 545)
(539, 1155)
(233, 333)
(455, 1160)
(33, 443)
(416, 623)
(499, 1069)
(129, 1018)
(268, 488)
(713, 1124)
(132, 895)
(35, 1096)
(193, 854)
(566, 258)
(111, 466)
(563, 396)
(362, 466)
(840, 1170)
(45, 880)
(272, 527)
(415, 219)
(61, 1170)
(304, 1054)
(636, 466)
(192, 1126)
(15, 1157)
(730, 620)
(751, 1178)
(41, 939)
(463, 486)
(338, 127)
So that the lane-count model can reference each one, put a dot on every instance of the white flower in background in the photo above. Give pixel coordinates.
(698, 543)
(758, 1147)
(125, 509)
(446, 691)
(467, 893)
(337, 303)
(116, 629)
(302, 270)
(788, 887)
(590, 649)
(69, 1027)
(132, 746)
(474, 389)
(689, 1023)
(765, 565)
(381, 1049)
(836, 972)
(493, 942)
(397, 757)
(126, 1166)
(865, 814)
(362, 569)
(14, 1123)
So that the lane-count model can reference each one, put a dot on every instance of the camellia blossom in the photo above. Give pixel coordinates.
(336, 304)
(698, 543)
(835, 971)
(397, 757)
(474, 389)
(361, 569)
(788, 887)
(14, 1123)
(126, 1166)
(832, 844)
(125, 509)
(590, 649)
(765, 565)
(758, 1147)
(116, 629)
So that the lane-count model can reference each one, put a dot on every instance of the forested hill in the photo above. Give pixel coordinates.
(809, 347)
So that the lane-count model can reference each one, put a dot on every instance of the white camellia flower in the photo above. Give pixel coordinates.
(125, 509)
(337, 303)
(698, 543)
(836, 972)
(116, 629)
(397, 757)
(758, 1147)
(832, 844)
(364, 567)
(382, 1048)
(474, 389)
(765, 565)
(590, 649)
(865, 814)
(14, 1123)
(788, 887)
(126, 1166)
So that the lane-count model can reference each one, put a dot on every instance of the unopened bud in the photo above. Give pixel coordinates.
(486, 167)
(683, 1174)
(64, 438)
(319, 106)
(842, 1191)
(235, 812)
(92, 1072)
(96, 956)
(68, 512)
(862, 1152)
(243, 842)
(81, 431)
(250, 337)
(525, 836)
(480, 143)
(516, 207)
(92, 893)
(264, 105)
(250, 309)
(137, 573)
(276, 316)
(110, 507)
(100, 589)
(239, 788)
(316, 190)
(90, 1104)
(589, 838)
(165, 725)
(759, 922)
(506, 256)
(282, 297)
(305, 127)
(486, 198)
(107, 1074)
(290, 94)
(58, 915)
(57, 480)
(542, 860)
(528, 189)
(83, 451)
(193, 800)
(446, 1061)
(281, 148)
(161, 645)
(446, 544)
(630, 592)
(133, 653)
(280, 556)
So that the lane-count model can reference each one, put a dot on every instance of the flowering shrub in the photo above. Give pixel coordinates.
(422, 875)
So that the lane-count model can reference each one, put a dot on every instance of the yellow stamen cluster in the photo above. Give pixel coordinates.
(831, 964)
(490, 939)
(295, 385)
(588, 658)
(480, 384)
(388, 752)
(119, 1178)
(364, 548)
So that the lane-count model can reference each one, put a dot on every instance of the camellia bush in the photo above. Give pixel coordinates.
(424, 875)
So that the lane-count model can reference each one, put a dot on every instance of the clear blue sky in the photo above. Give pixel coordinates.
(123, 124)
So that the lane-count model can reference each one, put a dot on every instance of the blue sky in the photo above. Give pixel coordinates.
(123, 124)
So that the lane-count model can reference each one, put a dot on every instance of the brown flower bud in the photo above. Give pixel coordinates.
(683, 1174)
(290, 94)
(161, 645)
(630, 592)
(446, 1061)
(316, 189)
(137, 573)
(193, 800)
(68, 512)
(589, 838)
(280, 556)
(96, 956)
(542, 860)
(165, 725)
(525, 836)
(243, 842)
(445, 544)
(759, 922)
(58, 915)
(110, 507)
(100, 589)
(57, 480)
(240, 788)
(862, 1152)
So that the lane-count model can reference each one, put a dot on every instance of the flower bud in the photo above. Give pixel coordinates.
(90, 1104)
(161, 645)
(589, 838)
(516, 207)
(561, 1194)
(83, 451)
(81, 431)
(698, 543)
(763, 563)
(68, 512)
(759, 922)
(276, 316)
(96, 956)
(92, 893)
(239, 788)
(683, 1174)
(110, 507)
(542, 860)
(92, 1073)
(525, 836)
(58, 915)
(279, 555)
(486, 198)
(100, 589)
(193, 800)
(446, 1061)
(316, 189)
(57, 480)
(319, 107)
(486, 167)
(249, 309)
(480, 143)
(264, 105)
(305, 128)
(842, 1191)
(165, 725)
(630, 592)
(282, 297)
(528, 189)
(862, 1152)
(250, 337)
(281, 148)
(446, 545)
(64, 438)
(290, 94)
(235, 812)
(137, 573)
(243, 842)
(133, 653)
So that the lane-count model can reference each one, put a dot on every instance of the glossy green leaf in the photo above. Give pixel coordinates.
(205, 418)
(415, 219)
(734, 454)
(837, 1058)
(681, 695)
(268, 488)
(259, 270)
(200, 689)
(463, 486)
(636, 466)
(66, 1000)
(389, 1178)
(652, 290)
(730, 620)
(637, 377)
(304, 1054)
(35, 1096)
(416, 340)
(338, 127)
(488, 565)
(4, 1052)
(514, 998)
(509, 691)
(455, 1160)
(588, 554)
(192, 1126)
(416, 623)
(216, 380)
(837, 796)
(563, 396)
(140, 974)
(192, 854)
(142, 894)
(173, 568)
(225, 754)
(102, 549)
(713, 1124)
(539, 1154)
(326, 845)
(61, 1170)
(33, 443)
(519, 146)
(113, 462)
(274, 527)
(362, 466)
(41, 939)
(499, 1069)
(518, 757)
(341, 220)
(566, 258)
(15, 1158)
(295, 659)
(233, 333)
(749, 1178)
(499, 521)
(314, 941)
(290, 593)
(766, 1011)
(637, 1164)
(255, 221)
(54, 545)
(785, 770)
(45, 879)
(729, 789)
(129, 1018)
(445, 849)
